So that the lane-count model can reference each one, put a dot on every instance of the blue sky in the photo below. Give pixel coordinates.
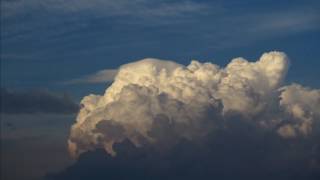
(45, 43)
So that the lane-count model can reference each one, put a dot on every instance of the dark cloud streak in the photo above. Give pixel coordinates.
(36, 101)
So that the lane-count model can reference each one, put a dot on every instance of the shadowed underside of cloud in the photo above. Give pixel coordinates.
(36, 101)
(239, 153)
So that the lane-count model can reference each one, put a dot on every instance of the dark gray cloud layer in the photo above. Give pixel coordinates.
(36, 101)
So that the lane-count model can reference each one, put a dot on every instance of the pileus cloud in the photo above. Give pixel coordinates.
(151, 97)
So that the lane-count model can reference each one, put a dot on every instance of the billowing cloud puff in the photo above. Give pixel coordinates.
(155, 100)
(303, 104)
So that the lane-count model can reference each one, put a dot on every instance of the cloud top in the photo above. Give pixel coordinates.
(152, 101)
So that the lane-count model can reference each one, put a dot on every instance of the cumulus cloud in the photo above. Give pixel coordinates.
(36, 101)
(154, 101)
(303, 104)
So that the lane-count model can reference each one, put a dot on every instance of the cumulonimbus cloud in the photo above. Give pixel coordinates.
(154, 100)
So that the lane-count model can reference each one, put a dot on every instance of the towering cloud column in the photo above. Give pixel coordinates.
(155, 100)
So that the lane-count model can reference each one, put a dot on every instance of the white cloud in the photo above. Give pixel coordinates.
(303, 104)
(191, 101)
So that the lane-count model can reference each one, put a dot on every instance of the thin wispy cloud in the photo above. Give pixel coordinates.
(287, 22)
(210, 22)
(103, 76)
(137, 8)
(68, 30)
(243, 29)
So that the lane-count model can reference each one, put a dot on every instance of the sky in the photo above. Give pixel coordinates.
(55, 52)
(47, 43)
